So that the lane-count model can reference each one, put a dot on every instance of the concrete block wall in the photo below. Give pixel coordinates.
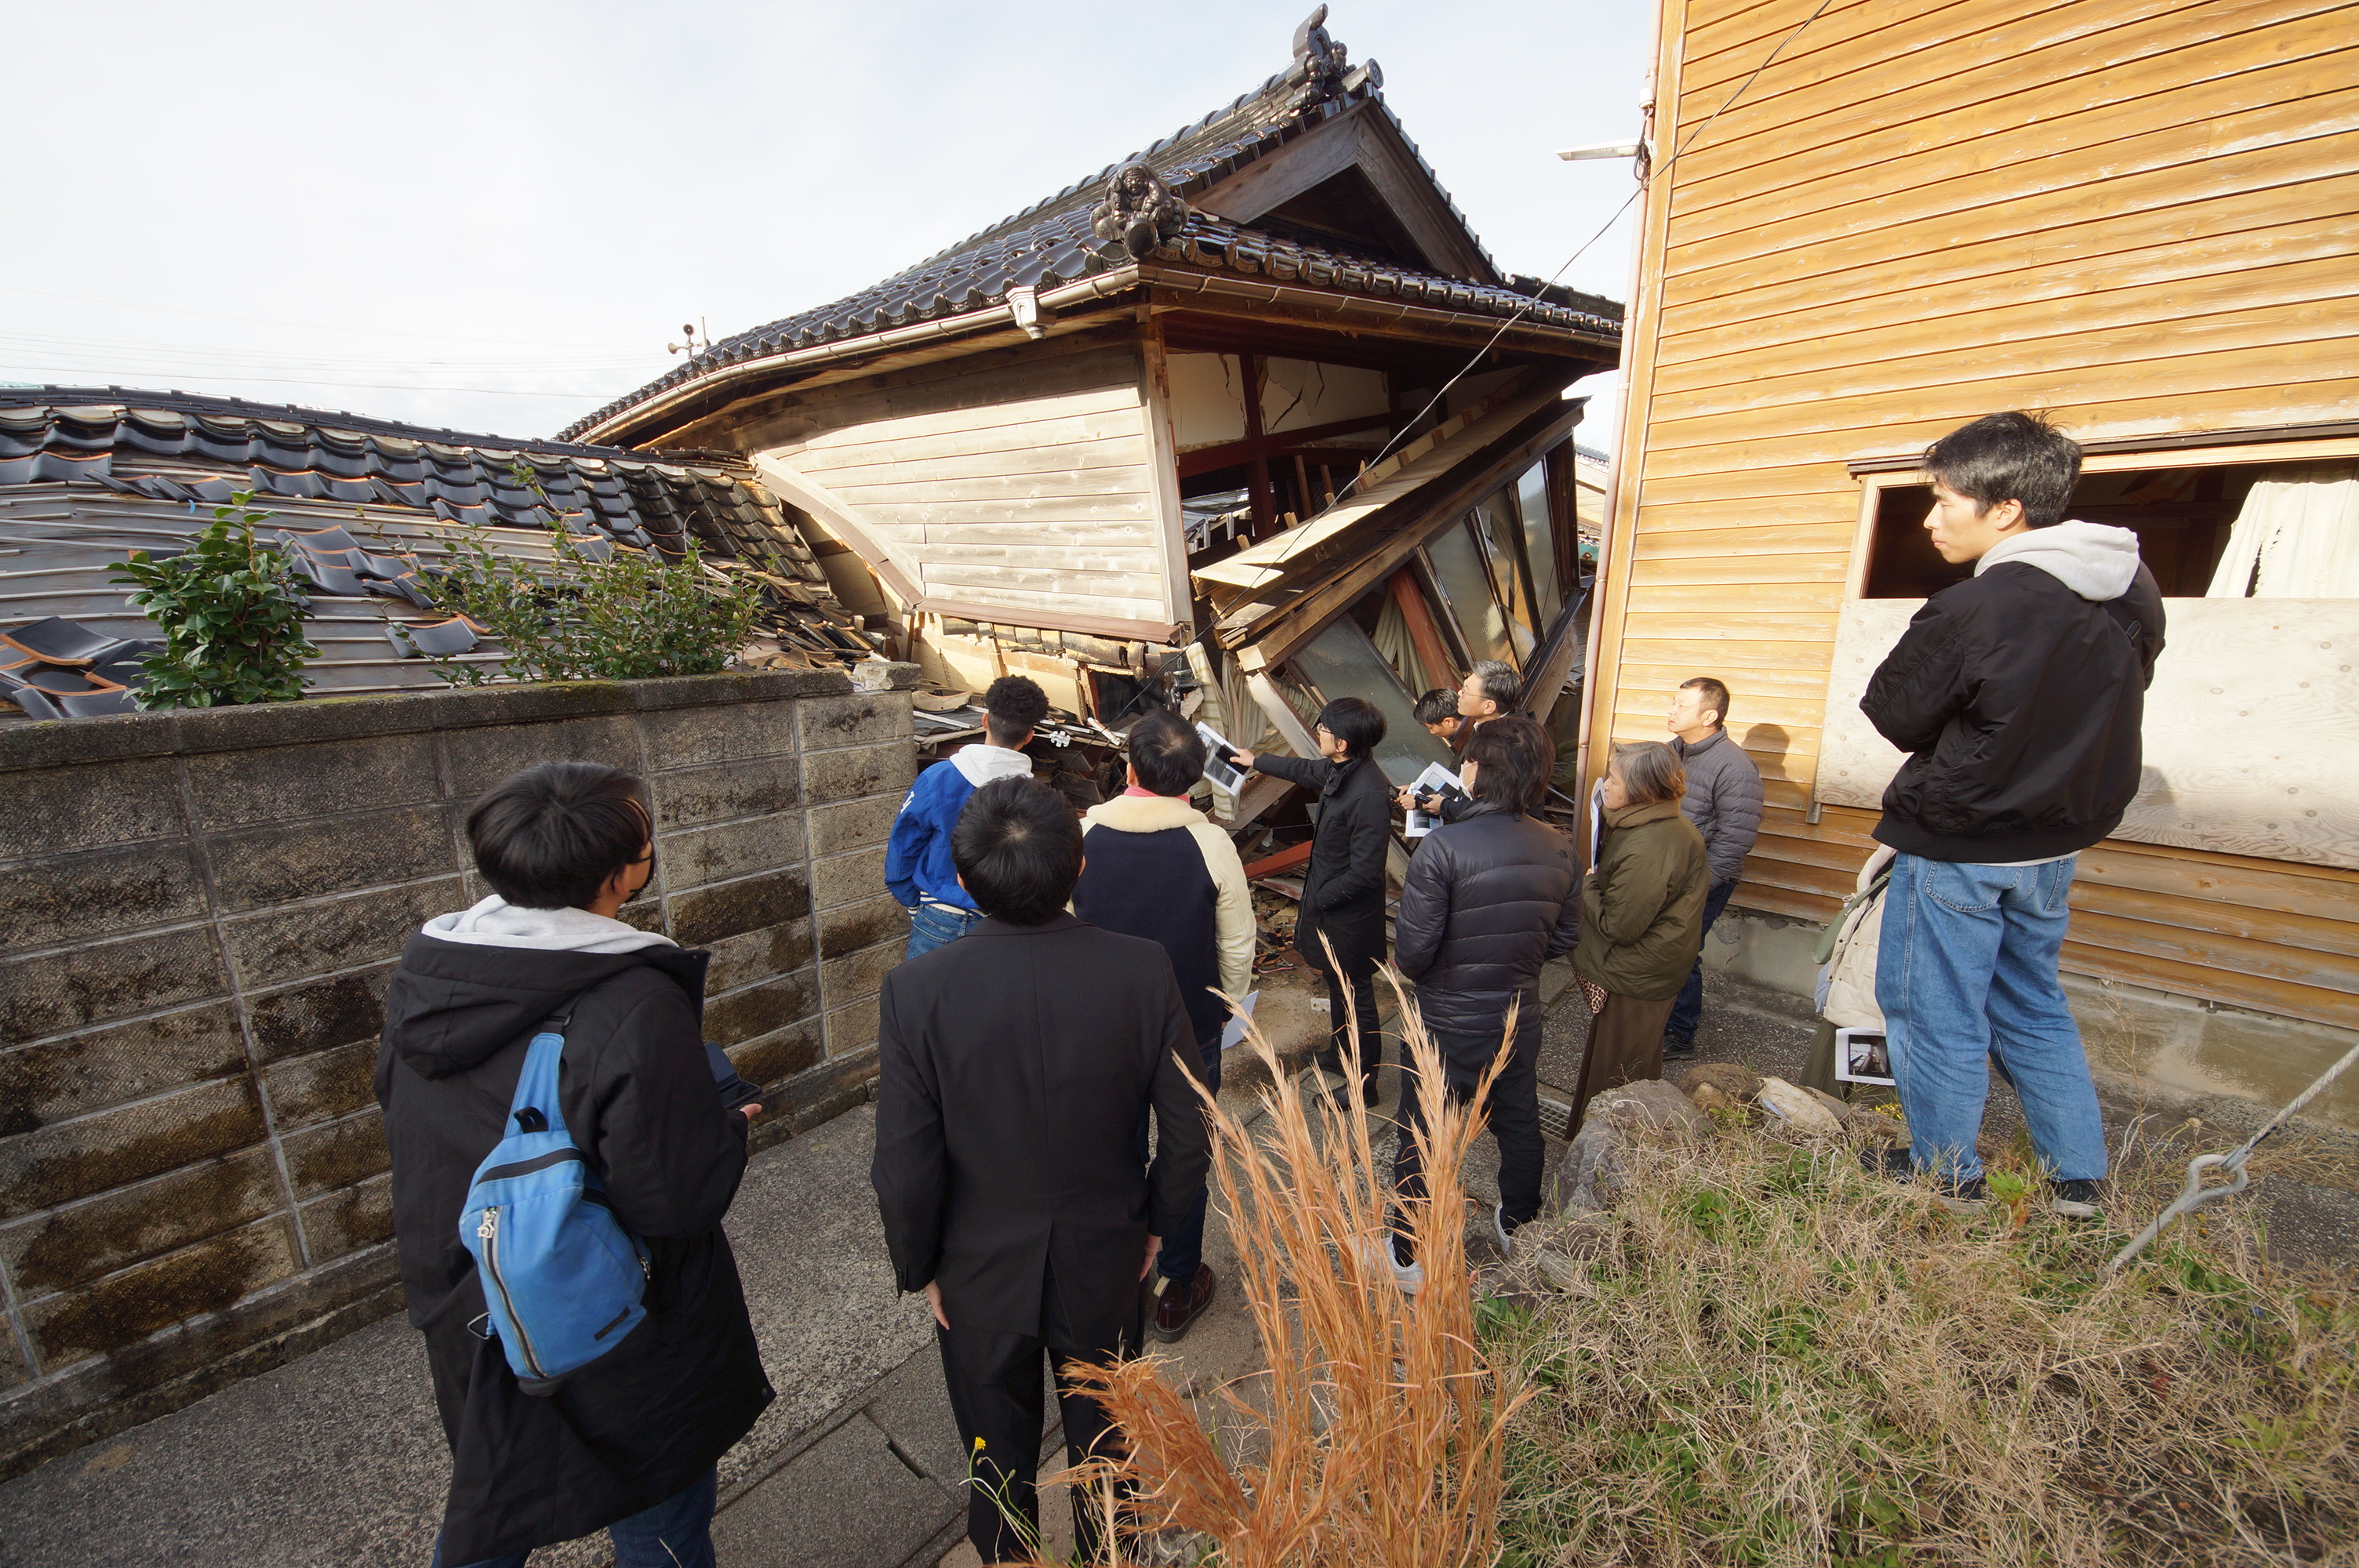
(204, 909)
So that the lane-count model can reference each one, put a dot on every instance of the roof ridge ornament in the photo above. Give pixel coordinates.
(1139, 212)
(1322, 67)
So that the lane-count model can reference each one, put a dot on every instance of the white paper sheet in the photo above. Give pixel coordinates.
(1234, 1033)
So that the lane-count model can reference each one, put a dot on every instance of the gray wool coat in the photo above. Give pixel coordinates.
(1723, 801)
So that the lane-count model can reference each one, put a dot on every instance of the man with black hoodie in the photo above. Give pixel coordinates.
(629, 1441)
(2019, 693)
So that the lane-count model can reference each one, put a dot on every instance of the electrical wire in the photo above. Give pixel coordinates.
(1679, 152)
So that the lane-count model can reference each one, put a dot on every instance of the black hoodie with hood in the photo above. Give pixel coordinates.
(638, 1095)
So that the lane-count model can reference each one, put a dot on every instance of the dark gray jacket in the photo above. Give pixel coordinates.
(1489, 898)
(1723, 801)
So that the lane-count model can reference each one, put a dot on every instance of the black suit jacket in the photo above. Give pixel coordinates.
(1016, 1064)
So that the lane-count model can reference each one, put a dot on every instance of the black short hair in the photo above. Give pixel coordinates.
(1167, 753)
(549, 836)
(2009, 457)
(1355, 721)
(1514, 760)
(1715, 694)
(1499, 681)
(1015, 705)
(1438, 706)
(1018, 847)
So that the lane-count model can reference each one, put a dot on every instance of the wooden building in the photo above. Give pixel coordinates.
(2137, 217)
(1204, 396)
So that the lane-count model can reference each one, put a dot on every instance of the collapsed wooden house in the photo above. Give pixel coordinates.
(2135, 218)
(88, 475)
(1256, 392)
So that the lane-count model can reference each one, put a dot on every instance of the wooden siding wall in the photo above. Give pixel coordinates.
(1023, 486)
(2134, 214)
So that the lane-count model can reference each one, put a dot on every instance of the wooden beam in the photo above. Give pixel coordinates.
(1273, 702)
(1285, 860)
(1228, 454)
(1423, 632)
(1262, 792)
(1163, 476)
(789, 485)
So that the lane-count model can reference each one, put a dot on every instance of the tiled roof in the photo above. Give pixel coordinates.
(175, 446)
(1050, 242)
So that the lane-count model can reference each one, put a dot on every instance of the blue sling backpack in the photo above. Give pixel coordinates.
(564, 1282)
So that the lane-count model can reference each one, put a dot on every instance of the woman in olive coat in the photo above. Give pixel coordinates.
(1641, 919)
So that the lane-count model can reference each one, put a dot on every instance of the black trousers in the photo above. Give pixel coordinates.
(1354, 968)
(995, 1382)
(1514, 1110)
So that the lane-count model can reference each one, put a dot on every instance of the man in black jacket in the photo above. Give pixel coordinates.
(1343, 890)
(630, 1441)
(1489, 899)
(1015, 1067)
(2019, 694)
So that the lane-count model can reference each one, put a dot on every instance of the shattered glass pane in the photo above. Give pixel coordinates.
(1342, 662)
(1466, 582)
(1540, 539)
(1496, 532)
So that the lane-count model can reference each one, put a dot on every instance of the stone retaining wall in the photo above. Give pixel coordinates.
(201, 911)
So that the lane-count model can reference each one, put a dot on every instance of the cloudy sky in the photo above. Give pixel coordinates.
(493, 217)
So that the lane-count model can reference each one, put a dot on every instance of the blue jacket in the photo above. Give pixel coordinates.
(917, 858)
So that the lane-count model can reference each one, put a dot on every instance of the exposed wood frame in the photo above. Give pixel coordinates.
(1261, 791)
(789, 484)
(1163, 475)
(1423, 634)
(1281, 717)
(1228, 454)
(1265, 505)
(1391, 316)
(1161, 633)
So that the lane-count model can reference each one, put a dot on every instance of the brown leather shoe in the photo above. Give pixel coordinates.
(1176, 1308)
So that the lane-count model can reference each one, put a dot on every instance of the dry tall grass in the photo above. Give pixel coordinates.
(1778, 1359)
(1376, 1437)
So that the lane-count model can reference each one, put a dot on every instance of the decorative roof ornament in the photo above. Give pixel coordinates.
(1321, 68)
(1139, 212)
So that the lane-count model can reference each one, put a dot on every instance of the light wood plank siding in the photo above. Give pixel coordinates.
(1026, 488)
(2133, 213)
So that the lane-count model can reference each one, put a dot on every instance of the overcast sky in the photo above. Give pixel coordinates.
(493, 217)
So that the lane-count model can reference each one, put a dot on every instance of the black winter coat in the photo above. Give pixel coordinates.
(1489, 899)
(2022, 703)
(638, 1095)
(1014, 1067)
(1343, 891)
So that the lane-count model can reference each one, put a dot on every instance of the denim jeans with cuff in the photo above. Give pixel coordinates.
(1966, 976)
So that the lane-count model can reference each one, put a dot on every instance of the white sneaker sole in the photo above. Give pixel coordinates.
(1378, 1255)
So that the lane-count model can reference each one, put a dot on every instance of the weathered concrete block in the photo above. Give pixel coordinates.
(71, 1245)
(735, 686)
(827, 722)
(30, 746)
(54, 811)
(752, 955)
(831, 776)
(291, 941)
(348, 1220)
(126, 1307)
(480, 758)
(855, 825)
(13, 1369)
(269, 724)
(58, 991)
(847, 979)
(707, 915)
(698, 856)
(82, 1072)
(84, 1158)
(722, 792)
(336, 1154)
(240, 789)
(761, 1009)
(848, 878)
(683, 737)
(463, 707)
(774, 1057)
(818, 1095)
(303, 860)
(853, 1028)
(850, 927)
(100, 893)
(326, 1084)
(318, 1014)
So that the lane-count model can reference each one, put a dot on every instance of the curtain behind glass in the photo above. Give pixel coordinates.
(1539, 540)
(2296, 537)
(1466, 582)
(1342, 662)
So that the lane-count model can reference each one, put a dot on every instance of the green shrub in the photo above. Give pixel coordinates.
(231, 608)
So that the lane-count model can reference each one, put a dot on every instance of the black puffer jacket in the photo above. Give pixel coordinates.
(1489, 899)
(1343, 890)
(639, 1098)
(2022, 701)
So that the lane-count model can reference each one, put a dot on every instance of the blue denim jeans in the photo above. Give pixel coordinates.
(933, 925)
(1687, 1010)
(1966, 976)
(675, 1533)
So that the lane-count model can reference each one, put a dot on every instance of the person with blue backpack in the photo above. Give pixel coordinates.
(918, 868)
(564, 1146)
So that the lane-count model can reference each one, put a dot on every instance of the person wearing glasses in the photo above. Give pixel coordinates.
(1343, 890)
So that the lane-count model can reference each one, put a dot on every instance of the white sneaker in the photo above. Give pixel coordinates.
(1499, 1237)
(1379, 1254)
